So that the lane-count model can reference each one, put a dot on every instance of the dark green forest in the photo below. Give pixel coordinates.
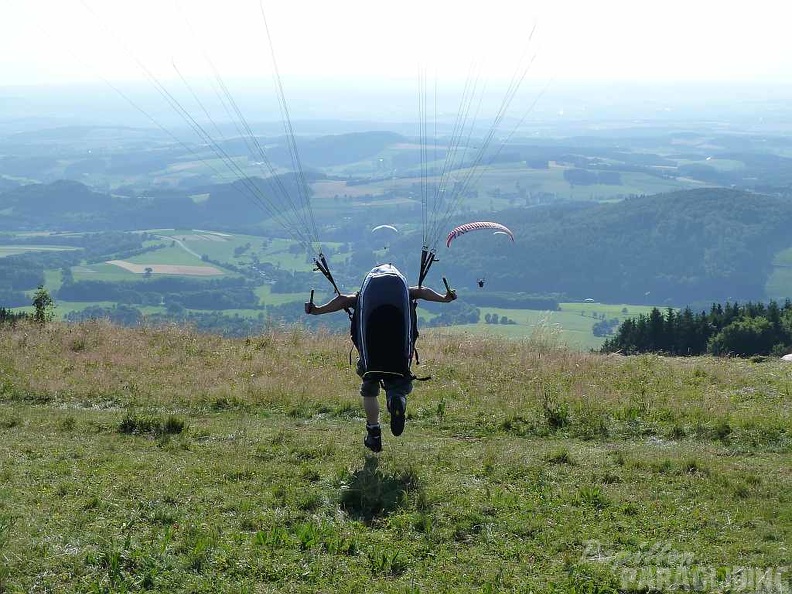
(227, 293)
(730, 329)
(71, 206)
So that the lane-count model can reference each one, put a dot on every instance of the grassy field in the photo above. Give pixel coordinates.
(267, 297)
(185, 247)
(13, 250)
(62, 308)
(779, 283)
(234, 248)
(52, 280)
(552, 181)
(162, 460)
(172, 255)
(570, 326)
(508, 179)
(102, 272)
(570, 330)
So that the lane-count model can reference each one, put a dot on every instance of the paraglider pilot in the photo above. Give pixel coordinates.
(384, 330)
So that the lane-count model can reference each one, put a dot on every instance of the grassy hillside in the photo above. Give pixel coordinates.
(163, 460)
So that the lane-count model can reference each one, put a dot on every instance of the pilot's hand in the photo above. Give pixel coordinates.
(309, 306)
(450, 295)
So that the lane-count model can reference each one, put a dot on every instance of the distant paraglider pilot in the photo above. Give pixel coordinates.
(497, 228)
(384, 330)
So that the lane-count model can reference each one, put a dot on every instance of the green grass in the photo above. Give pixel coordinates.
(174, 255)
(52, 279)
(12, 250)
(552, 181)
(167, 461)
(571, 325)
(779, 283)
(217, 247)
(103, 272)
(723, 164)
(267, 297)
(222, 248)
(64, 307)
(510, 178)
(783, 258)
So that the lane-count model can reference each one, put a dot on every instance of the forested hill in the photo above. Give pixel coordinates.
(71, 206)
(677, 248)
(693, 247)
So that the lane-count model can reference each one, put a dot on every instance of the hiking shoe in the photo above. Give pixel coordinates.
(396, 408)
(373, 439)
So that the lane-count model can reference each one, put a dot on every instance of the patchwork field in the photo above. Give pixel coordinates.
(509, 178)
(184, 251)
(180, 252)
(180, 270)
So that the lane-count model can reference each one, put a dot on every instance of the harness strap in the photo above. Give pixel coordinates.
(322, 266)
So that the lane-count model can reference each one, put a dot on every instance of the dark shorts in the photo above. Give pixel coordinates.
(394, 387)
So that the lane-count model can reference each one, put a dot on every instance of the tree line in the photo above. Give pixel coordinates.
(225, 293)
(43, 309)
(730, 329)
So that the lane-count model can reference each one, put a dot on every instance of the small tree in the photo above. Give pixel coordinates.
(44, 306)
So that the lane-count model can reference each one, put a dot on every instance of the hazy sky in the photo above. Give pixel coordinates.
(55, 41)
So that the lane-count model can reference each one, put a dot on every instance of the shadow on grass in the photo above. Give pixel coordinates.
(370, 493)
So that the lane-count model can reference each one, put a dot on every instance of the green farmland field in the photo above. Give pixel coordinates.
(779, 283)
(511, 179)
(571, 325)
(12, 250)
(103, 272)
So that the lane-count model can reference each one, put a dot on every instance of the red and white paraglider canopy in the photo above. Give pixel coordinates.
(475, 226)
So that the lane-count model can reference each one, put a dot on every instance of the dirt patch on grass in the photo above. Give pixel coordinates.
(198, 237)
(167, 268)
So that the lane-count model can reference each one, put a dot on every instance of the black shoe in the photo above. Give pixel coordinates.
(396, 408)
(373, 439)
